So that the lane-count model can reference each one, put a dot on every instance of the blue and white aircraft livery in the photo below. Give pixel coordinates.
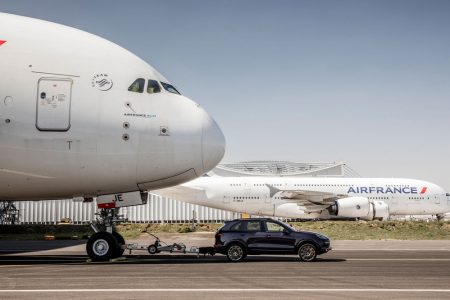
(311, 198)
(385, 190)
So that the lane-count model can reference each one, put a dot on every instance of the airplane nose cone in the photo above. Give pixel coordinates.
(213, 144)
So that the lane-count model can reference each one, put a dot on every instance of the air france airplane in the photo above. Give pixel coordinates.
(311, 198)
(81, 117)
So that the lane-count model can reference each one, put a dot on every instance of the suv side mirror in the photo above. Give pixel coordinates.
(285, 231)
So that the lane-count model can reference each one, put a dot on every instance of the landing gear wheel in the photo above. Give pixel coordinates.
(236, 253)
(307, 252)
(121, 243)
(102, 246)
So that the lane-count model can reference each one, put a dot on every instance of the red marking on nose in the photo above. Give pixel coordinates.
(2, 42)
(424, 189)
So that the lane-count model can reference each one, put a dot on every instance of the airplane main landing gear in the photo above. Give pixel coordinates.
(105, 243)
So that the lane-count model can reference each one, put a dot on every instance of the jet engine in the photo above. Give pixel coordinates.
(360, 207)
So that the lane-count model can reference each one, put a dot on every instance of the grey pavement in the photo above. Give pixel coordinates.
(354, 270)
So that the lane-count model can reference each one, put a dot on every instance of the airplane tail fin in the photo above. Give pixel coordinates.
(273, 190)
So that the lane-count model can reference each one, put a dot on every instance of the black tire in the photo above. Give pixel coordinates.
(152, 249)
(307, 252)
(236, 252)
(101, 246)
(120, 243)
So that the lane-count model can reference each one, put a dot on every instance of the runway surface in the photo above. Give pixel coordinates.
(353, 270)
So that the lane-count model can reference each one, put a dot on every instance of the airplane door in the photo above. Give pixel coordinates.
(393, 206)
(437, 200)
(226, 198)
(53, 104)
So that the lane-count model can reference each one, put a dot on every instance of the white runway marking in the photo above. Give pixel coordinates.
(42, 260)
(228, 290)
(369, 249)
(80, 260)
(397, 259)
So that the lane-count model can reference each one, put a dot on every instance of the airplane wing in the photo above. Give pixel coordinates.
(309, 201)
(181, 192)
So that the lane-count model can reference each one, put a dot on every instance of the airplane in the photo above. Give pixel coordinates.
(81, 117)
(314, 198)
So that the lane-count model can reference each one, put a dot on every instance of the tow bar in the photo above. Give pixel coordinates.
(160, 246)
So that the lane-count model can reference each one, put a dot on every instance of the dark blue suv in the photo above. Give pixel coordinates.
(240, 237)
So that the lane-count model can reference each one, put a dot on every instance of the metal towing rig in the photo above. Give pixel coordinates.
(160, 246)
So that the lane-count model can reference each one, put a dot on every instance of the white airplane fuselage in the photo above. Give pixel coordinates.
(71, 127)
(252, 195)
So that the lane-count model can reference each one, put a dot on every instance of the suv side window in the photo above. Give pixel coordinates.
(253, 226)
(274, 227)
(237, 227)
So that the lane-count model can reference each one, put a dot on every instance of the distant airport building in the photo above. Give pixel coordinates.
(284, 168)
(165, 210)
(157, 210)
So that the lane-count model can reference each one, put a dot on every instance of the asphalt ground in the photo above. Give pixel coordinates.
(352, 270)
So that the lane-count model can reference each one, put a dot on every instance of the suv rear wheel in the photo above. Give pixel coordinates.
(307, 252)
(236, 253)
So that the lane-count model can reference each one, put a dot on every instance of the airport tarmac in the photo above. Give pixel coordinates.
(352, 270)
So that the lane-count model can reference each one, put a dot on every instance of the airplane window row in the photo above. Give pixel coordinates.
(245, 197)
(378, 198)
(153, 87)
(323, 184)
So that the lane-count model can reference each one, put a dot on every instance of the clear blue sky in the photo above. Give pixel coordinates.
(365, 82)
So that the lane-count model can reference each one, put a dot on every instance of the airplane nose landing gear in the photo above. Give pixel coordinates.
(102, 246)
(106, 243)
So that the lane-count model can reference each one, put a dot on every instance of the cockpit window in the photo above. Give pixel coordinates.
(137, 86)
(153, 87)
(170, 88)
(448, 194)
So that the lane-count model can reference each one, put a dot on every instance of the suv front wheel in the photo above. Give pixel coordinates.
(307, 252)
(236, 253)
